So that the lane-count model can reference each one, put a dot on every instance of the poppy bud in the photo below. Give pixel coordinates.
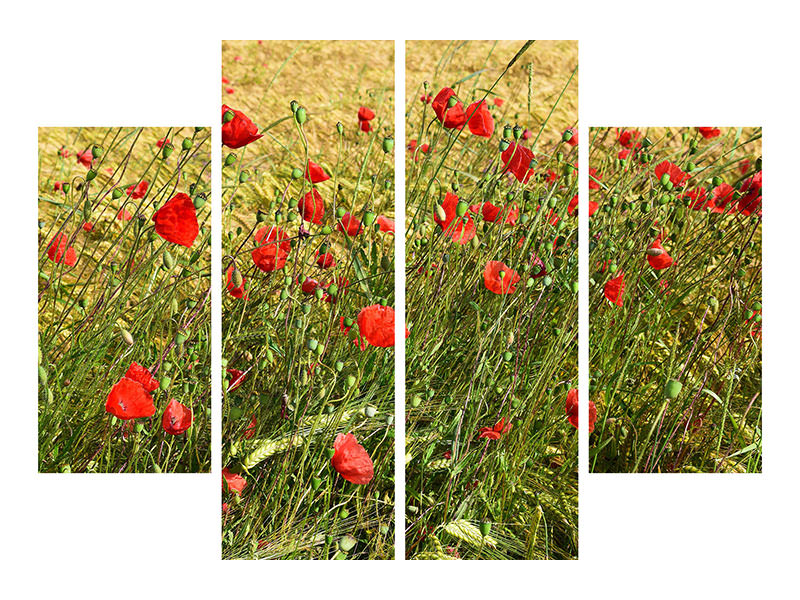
(369, 218)
(548, 281)
(166, 151)
(340, 212)
(300, 115)
(181, 337)
(312, 344)
(350, 381)
(339, 366)
(673, 389)
(186, 144)
(315, 483)
(347, 542)
(567, 135)
(388, 144)
(91, 174)
(440, 213)
(318, 293)
(126, 336)
(164, 382)
(517, 132)
(370, 411)
(333, 289)
(507, 132)
(116, 194)
(339, 128)
(236, 278)
(654, 251)
(327, 230)
(452, 101)
(485, 529)
(461, 208)
(665, 179)
(230, 159)
(416, 401)
(690, 166)
(243, 176)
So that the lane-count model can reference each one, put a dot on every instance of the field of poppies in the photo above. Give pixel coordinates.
(308, 317)
(123, 297)
(491, 300)
(675, 300)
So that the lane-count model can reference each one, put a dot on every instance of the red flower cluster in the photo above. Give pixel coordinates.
(58, 251)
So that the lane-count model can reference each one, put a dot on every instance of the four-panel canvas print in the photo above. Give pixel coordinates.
(484, 295)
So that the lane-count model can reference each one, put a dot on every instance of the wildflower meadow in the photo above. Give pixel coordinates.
(308, 304)
(675, 299)
(123, 296)
(491, 300)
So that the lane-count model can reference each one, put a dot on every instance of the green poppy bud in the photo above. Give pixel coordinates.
(369, 218)
(169, 260)
(339, 366)
(567, 135)
(339, 128)
(485, 529)
(315, 483)
(717, 180)
(673, 389)
(461, 208)
(126, 336)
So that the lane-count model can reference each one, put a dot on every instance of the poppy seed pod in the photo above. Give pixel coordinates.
(186, 144)
(126, 336)
(503, 145)
(97, 151)
(388, 144)
(91, 174)
(300, 115)
(166, 151)
(227, 116)
(339, 128)
(507, 131)
(485, 529)
(673, 389)
(230, 159)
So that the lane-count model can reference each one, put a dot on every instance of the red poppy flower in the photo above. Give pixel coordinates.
(460, 229)
(491, 212)
(234, 482)
(124, 215)
(721, 197)
(351, 461)
(85, 158)
(309, 285)
(177, 418)
(499, 278)
(137, 191)
(63, 152)
(349, 225)
(480, 119)
(88, 226)
(160, 143)
(225, 80)
(551, 176)
(498, 102)
(376, 325)
(750, 202)
(573, 141)
(614, 289)
(176, 221)
(657, 256)
(527, 134)
(58, 186)
(385, 224)
(250, 430)
(623, 154)
(312, 207)
(59, 252)
(142, 376)
(676, 176)
(572, 410)
(229, 90)
(236, 292)
(627, 138)
(326, 260)
(315, 173)
(426, 99)
(708, 132)
(365, 126)
(517, 159)
(130, 397)
(451, 117)
(698, 198)
(239, 131)
(593, 174)
(273, 250)
(744, 166)
(237, 378)
(365, 114)
(493, 433)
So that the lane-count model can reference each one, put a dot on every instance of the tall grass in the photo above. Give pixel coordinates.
(676, 368)
(130, 297)
(475, 357)
(305, 380)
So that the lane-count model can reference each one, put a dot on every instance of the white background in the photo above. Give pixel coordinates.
(641, 63)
